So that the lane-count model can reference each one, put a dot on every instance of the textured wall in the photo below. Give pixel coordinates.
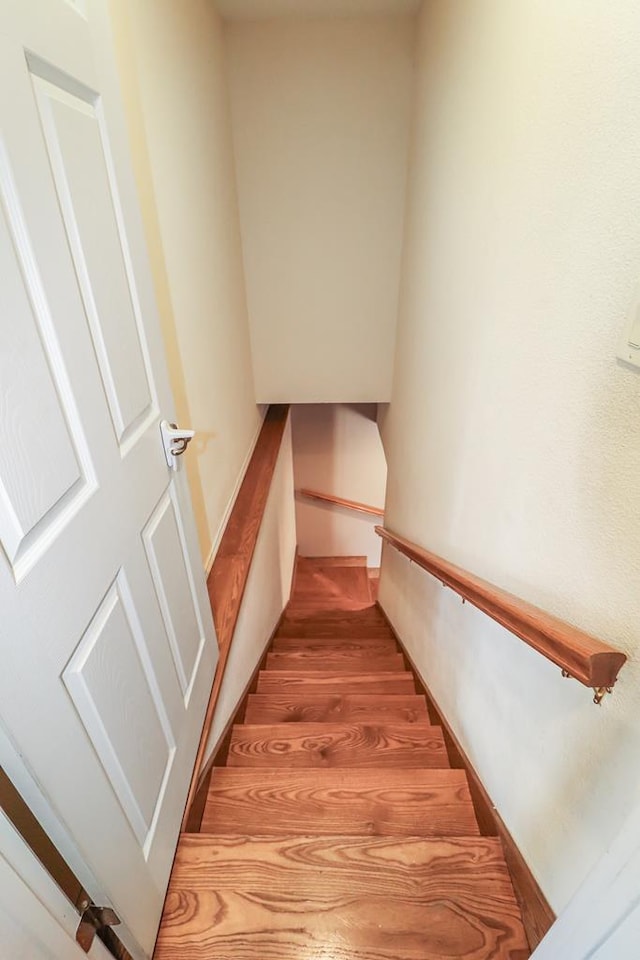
(320, 121)
(513, 434)
(171, 64)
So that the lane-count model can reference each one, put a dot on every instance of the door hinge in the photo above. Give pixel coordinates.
(93, 920)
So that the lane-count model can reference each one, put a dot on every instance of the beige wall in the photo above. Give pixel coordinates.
(321, 116)
(513, 435)
(266, 593)
(337, 450)
(171, 64)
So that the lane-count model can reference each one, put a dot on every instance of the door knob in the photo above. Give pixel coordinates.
(174, 441)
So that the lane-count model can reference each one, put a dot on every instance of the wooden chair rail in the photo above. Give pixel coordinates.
(230, 569)
(577, 653)
(341, 502)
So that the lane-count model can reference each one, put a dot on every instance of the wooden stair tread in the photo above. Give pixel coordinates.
(328, 707)
(287, 681)
(376, 646)
(353, 745)
(349, 619)
(366, 613)
(350, 898)
(337, 827)
(338, 584)
(250, 925)
(389, 802)
(337, 631)
(335, 862)
(310, 563)
(348, 661)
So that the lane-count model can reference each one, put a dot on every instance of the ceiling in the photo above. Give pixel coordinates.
(306, 9)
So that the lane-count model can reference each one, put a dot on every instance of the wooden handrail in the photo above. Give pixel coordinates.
(228, 577)
(341, 502)
(577, 653)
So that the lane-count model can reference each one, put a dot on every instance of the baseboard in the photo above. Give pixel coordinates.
(294, 573)
(537, 915)
(232, 499)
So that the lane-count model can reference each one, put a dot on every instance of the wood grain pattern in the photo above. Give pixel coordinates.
(344, 662)
(410, 866)
(349, 616)
(293, 681)
(336, 627)
(358, 560)
(357, 802)
(328, 708)
(587, 659)
(379, 647)
(230, 570)
(251, 925)
(353, 745)
(340, 898)
(341, 502)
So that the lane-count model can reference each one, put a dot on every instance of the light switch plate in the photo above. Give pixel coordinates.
(629, 343)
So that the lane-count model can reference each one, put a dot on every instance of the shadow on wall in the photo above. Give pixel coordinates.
(337, 450)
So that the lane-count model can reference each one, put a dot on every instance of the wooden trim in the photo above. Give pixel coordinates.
(587, 659)
(228, 577)
(537, 915)
(341, 502)
(232, 499)
(294, 572)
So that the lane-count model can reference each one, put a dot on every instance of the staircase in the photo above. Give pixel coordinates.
(337, 829)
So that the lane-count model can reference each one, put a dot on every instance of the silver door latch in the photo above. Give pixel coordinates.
(174, 441)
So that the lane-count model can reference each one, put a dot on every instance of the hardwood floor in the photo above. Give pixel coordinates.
(337, 829)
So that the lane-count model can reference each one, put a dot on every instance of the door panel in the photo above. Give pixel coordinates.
(106, 635)
(74, 136)
(44, 465)
(111, 683)
(165, 541)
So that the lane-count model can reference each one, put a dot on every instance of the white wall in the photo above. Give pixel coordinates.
(171, 64)
(266, 593)
(337, 450)
(321, 114)
(513, 434)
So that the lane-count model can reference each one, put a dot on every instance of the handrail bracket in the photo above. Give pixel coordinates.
(599, 693)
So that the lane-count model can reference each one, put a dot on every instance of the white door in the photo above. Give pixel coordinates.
(106, 640)
(602, 922)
